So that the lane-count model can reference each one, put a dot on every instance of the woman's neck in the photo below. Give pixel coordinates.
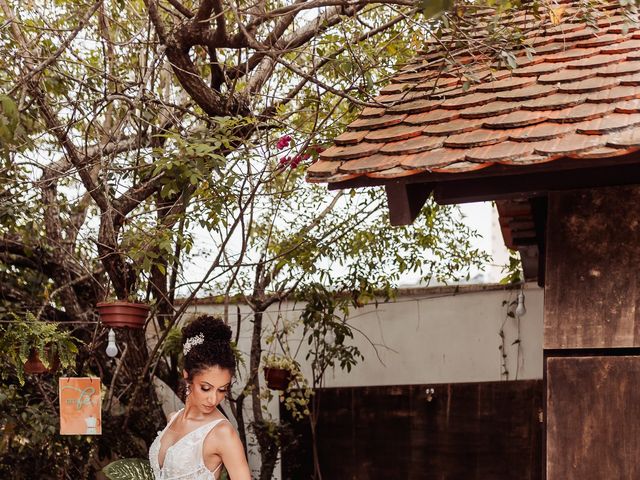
(192, 413)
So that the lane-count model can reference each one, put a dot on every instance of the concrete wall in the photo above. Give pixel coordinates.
(428, 335)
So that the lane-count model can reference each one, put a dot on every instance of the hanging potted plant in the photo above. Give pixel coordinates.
(123, 313)
(278, 371)
(33, 364)
(35, 346)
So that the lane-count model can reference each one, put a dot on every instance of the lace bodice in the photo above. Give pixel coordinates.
(183, 460)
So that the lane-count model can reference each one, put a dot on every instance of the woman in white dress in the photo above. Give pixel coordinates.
(199, 440)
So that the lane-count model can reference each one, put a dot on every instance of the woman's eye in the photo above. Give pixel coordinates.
(206, 389)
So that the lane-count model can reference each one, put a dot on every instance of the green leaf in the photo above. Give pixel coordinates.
(129, 469)
(431, 8)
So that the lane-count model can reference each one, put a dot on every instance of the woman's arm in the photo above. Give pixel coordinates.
(230, 449)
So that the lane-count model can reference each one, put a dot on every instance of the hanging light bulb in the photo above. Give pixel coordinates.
(112, 348)
(330, 338)
(520, 309)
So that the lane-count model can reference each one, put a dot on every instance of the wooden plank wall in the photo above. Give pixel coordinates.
(481, 431)
(592, 291)
(593, 407)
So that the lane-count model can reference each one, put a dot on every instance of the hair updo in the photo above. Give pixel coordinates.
(214, 349)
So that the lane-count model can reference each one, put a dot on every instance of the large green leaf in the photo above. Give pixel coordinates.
(432, 8)
(129, 469)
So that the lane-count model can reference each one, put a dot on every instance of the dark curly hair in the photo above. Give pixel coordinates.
(214, 351)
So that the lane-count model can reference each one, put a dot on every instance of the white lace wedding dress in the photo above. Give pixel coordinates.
(183, 460)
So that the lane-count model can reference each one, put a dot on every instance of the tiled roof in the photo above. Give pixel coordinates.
(575, 92)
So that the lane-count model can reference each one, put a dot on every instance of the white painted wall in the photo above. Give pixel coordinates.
(429, 335)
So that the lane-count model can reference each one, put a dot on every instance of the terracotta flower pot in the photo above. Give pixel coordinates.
(277, 378)
(123, 314)
(34, 364)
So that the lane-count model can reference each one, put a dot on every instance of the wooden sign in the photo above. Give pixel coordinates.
(80, 406)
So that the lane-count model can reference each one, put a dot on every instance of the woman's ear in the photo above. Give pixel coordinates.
(185, 375)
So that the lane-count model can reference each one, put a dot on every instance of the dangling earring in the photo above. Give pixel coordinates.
(187, 390)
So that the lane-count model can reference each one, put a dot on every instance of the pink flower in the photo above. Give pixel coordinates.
(295, 161)
(283, 162)
(283, 142)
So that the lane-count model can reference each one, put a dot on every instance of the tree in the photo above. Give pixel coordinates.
(127, 126)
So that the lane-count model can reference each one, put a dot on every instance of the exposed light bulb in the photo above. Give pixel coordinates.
(520, 309)
(330, 338)
(112, 348)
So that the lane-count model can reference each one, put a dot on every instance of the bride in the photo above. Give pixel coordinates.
(199, 440)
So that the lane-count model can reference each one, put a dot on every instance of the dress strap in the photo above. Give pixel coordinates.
(206, 430)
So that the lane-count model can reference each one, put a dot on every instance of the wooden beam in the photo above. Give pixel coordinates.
(405, 201)
(534, 184)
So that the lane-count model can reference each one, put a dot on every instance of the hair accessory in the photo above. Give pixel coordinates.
(191, 342)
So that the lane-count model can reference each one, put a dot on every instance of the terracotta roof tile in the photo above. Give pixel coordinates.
(376, 122)
(532, 159)
(632, 79)
(599, 41)
(372, 112)
(399, 132)
(543, 131)
(603, 152)
(336, 178)
(571, 54)
(519, 118)
(506, 84)
(611, 123)
(400, 97)
(579, 113)
(570, 143)
(605, 21)
(413, 145)
(489, 110)
(596, 61)
(581, 34)
(564, 28)
(506, 150)
(629, 106)
(323, 168)
(415, 106)
(589, 85)
(438, 82)
(626, 139)
(370, 164)
(433, 159)
(628, 46)
(619, 93)
(349, 152)
(575, 92)
(461, 167)
(394, 88)
(554, 102)
(458, 125)
(537, 69)
(566, 75)
(432, 117)
(351, 138)
(475, 138)
(395, 172)
(619, 68)
(470, 100)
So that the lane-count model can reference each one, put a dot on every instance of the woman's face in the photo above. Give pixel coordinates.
(209, 387)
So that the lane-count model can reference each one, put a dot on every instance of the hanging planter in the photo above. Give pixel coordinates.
(277, 378)
(34, 364)
(123, 314)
